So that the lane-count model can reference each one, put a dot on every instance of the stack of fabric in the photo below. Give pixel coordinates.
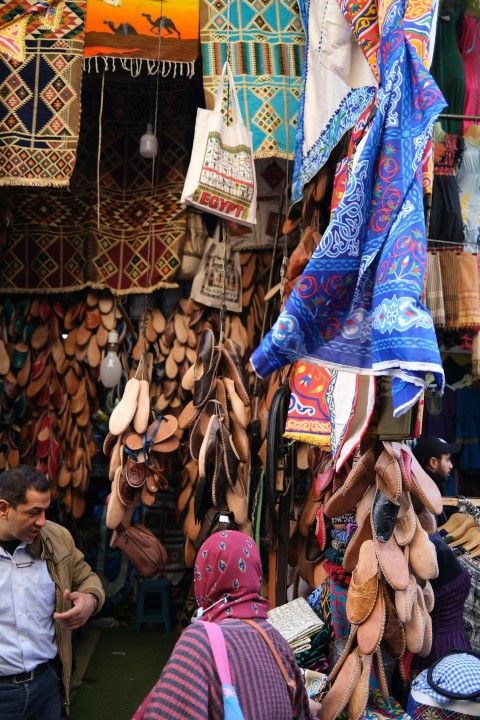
(297, 622)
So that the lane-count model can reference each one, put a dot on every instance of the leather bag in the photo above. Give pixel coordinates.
(143, 549)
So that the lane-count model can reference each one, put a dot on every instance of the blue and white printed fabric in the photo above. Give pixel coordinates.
(357, 306)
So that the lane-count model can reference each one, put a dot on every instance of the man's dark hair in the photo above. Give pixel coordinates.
(15, 482)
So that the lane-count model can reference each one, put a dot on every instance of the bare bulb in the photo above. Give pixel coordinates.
(111, 367)
(148, 143)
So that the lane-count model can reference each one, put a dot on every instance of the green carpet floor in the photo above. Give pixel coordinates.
(123, 666)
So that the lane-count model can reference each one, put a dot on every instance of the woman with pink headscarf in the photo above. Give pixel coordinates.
(227, 580)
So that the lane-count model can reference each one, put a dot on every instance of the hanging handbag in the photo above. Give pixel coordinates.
(221, 175)
(219, 276)
(143, 549)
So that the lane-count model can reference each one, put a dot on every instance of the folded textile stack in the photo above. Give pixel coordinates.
(297, 622)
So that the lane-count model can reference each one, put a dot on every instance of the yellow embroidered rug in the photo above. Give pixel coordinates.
(41, 70)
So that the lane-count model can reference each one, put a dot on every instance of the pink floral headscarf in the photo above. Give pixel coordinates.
(228, 565)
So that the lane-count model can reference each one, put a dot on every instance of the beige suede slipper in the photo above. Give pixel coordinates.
(423, 555)
(124, 412)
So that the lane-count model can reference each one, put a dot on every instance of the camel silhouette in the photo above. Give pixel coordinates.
(161, 22)
(122, 29)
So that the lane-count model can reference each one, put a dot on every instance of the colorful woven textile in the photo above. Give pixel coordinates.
(337, 85)
(449, 268)
(435, 290)
(266, 42)
(41, 69)
(308, 417)
(135, 31)
(60, 242)
(468, 296)
(357, 304)
(380, 708)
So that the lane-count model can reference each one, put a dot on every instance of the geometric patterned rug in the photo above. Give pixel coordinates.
(132, 241)
(41, 49)
(266, 42)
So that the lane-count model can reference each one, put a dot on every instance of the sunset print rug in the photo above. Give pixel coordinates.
(163, 34)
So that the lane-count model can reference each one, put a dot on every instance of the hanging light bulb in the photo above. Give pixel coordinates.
(148, 143)
(111, 367)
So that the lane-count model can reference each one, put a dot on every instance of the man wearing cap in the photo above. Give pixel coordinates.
(47, 589)
(434, 455)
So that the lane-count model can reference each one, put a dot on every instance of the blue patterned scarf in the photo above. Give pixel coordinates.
(357, 305)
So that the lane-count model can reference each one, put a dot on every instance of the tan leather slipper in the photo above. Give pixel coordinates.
(363, 588)
(405, 523)
(404, 600)
(370, 632)
(342, 689)
(392, 562)
(423, 555)
(359, 699)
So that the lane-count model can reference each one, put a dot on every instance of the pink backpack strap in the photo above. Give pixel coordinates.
(217, 641)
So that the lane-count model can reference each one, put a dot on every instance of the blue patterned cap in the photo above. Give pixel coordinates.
(458, 673)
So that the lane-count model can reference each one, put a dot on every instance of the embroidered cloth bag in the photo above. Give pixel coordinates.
(219, 276)
(221, 175)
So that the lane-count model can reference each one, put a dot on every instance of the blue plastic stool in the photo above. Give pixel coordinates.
(149, 612)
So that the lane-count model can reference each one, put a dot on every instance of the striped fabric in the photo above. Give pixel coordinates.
(189, 687)
(468, 296)
(435, 290)
(449, 266)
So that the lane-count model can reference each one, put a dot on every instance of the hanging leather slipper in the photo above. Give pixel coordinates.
(234, 369)
(361, 534)
(124, 412)
(142, 413)
(370, 632)
(363, 588)
(428, 521)
(206, 368)
(359, 699)
(405, 524)
(424, 488)
(389, 476)
(393, 635)
(392, 562)
(415, 627)
(380, 673)
(356, 484)
(404, 600)
(337, 698)
(423, 555)
(384, 516)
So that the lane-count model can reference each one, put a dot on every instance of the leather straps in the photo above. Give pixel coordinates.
(290, 682)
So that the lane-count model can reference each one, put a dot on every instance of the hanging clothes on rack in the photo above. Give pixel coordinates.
(469, 46)
(468, 180)
(445, 214)
(447, 64)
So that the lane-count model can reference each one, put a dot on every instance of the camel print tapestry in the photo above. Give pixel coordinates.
(40, 79)
(114, 228)
(127, 33)
(265, 41)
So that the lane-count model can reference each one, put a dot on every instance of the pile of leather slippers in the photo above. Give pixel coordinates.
(136, 445)
(217, 418)
(392, 561)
